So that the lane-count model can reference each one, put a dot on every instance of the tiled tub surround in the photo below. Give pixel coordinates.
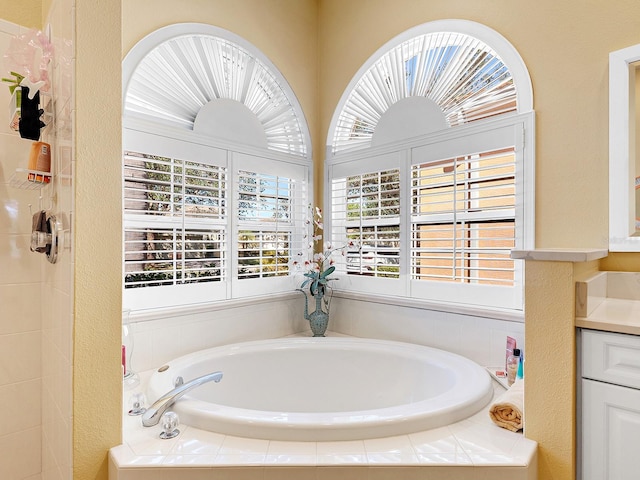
(474, 448)
(162, 336)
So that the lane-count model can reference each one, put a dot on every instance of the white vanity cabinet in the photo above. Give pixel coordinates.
(609, 406)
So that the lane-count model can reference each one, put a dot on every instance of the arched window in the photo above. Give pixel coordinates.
(431, 168)
(216, 168)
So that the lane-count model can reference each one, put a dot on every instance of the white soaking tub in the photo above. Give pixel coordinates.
(323, 389)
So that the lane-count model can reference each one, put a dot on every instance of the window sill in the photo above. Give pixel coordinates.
(459, 308)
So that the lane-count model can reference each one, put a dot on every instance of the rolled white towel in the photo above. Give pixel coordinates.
(508, 409)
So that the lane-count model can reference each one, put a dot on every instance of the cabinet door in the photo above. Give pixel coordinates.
(611, 357)
(610, 432)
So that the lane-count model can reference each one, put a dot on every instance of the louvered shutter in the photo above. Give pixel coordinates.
(175, 215)
(463, 219)
(271, 203)
(460, 74)
(366, 211)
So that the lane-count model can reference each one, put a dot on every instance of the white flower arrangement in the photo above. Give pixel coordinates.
(318, 265)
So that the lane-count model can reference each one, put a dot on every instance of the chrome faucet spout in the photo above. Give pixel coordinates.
(153, 414)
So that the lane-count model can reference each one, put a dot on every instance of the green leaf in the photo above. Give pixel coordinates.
(328, 271)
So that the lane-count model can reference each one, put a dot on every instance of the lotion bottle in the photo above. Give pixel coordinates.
(520, 372)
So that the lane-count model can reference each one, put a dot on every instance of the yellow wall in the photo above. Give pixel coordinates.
(625, 262)
(550, 367)
(27, 13)
(565, 46)
(97, 374)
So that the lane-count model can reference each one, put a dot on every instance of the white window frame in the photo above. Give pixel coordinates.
(247, 287)
(479, 136)
(524, 142)
(361, 164)
(154, 126)
(187, 145)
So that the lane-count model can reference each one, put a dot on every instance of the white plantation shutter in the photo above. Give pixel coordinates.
(441, 99)
(202, 221)
(466, 216)
(266, 207)
(462, 75)
(463, 219)
(175, 216)
(436, 220)
(172, 256)
(271, 205)
(366, 211)
(172, 83)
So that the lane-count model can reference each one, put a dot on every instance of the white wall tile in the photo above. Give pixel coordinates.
(58, 278)
(20, 454)
(483, 340)
(19, 264)
(21, 406)
(20, 357)
(20, 311)
(20, 297)
(159, 341)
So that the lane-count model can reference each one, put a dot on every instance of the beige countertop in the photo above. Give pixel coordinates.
(613, 315)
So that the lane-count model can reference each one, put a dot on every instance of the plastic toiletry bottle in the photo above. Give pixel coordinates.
(520, 372)
(512, 366)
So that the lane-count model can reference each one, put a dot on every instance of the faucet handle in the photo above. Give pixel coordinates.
(137, 401)
(169, 423)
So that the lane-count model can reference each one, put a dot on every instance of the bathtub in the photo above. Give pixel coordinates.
(325, 389)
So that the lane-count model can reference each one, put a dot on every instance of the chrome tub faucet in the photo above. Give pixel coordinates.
(153, 414)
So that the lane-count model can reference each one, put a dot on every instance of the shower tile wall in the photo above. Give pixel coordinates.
(35, 296)
(20, 300)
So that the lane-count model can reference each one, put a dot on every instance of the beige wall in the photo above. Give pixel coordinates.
(27, 13)
(97, 374)
(564, 44)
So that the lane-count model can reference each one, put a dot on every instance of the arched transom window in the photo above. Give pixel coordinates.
(209, 83)
(449, 78)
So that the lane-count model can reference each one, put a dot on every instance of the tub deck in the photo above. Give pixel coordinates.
(473, 449)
